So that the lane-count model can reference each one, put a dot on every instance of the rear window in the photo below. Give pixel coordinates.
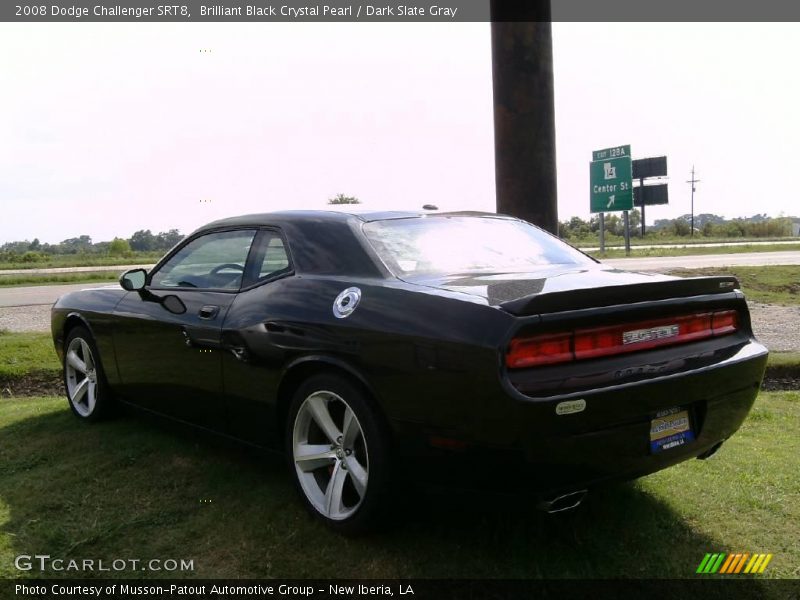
(441, 245)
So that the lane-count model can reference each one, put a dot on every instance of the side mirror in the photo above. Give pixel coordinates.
(133, 280)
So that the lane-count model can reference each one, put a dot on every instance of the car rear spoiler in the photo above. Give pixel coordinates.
(577, 299)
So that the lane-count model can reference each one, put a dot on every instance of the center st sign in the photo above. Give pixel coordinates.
(610, 180)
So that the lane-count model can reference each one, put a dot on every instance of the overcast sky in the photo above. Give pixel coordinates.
(110, 128)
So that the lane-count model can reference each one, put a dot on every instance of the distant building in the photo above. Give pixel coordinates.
(796, 228)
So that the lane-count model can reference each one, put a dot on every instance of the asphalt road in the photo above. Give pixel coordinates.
(47, 294)
(38, 294)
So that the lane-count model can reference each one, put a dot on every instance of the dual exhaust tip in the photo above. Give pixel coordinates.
(562, 503)
(573, 500)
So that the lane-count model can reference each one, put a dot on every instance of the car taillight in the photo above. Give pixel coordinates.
(594, 342)
(726, 321)
(540, 350)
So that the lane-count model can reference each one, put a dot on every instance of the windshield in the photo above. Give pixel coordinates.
(443, 245)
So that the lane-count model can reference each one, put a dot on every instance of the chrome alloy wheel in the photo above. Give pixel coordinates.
(81, 377)
(330, 455)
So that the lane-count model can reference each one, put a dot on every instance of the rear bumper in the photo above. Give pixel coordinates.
(623, 451)
(532, 448)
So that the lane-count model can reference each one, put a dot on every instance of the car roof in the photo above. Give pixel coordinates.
(299, 216)
(328, 242)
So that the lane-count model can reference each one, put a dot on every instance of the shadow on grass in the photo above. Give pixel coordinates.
(133, 488)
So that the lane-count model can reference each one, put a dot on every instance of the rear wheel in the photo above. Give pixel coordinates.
(338, 453)
(84, 380)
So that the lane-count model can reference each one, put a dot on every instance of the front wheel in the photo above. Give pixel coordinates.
(338, 453)
(87, 390)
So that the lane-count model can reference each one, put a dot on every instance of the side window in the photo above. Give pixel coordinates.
(270, 258)
(212, 261)
(275, 258)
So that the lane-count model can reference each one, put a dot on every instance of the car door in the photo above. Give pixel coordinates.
(170, 361)
(252, 365)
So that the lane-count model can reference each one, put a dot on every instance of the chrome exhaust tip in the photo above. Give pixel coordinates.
(563, 502)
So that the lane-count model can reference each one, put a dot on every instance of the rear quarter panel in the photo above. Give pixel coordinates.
(427, 356)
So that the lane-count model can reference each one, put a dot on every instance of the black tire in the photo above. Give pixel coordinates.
(359, 512)
(80, 340)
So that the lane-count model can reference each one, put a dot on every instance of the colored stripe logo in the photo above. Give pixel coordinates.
(732, 564)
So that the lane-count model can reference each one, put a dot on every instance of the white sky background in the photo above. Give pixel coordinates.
(110, 128)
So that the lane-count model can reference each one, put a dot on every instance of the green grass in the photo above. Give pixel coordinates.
(784, 359)
(770, 285)
(644, 252)
(135, 488)
(56, 278)
(24, 353)
(85, 260)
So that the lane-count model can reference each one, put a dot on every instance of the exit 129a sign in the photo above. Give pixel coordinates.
(610, 180)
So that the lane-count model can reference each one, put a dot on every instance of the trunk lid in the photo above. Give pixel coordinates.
(561, 289)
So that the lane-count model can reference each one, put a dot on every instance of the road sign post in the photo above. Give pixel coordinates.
(627, 234)
(644, 227)
(602, 233)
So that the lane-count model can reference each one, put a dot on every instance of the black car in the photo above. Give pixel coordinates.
(369, 347)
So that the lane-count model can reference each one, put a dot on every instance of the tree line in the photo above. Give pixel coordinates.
(575, 229)
(705, 225)
(143, 240)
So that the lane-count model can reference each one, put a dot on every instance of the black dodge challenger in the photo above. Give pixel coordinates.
(468, 346)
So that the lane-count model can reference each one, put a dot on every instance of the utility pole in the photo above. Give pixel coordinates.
(641, 194)
(693, 181)
(524, 111)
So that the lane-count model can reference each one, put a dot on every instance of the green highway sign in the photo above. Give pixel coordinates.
(610, 180)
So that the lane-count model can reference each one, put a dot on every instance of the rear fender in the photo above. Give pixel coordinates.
(317, 361)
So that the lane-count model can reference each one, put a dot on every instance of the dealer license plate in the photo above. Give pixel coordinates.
(670, 429)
